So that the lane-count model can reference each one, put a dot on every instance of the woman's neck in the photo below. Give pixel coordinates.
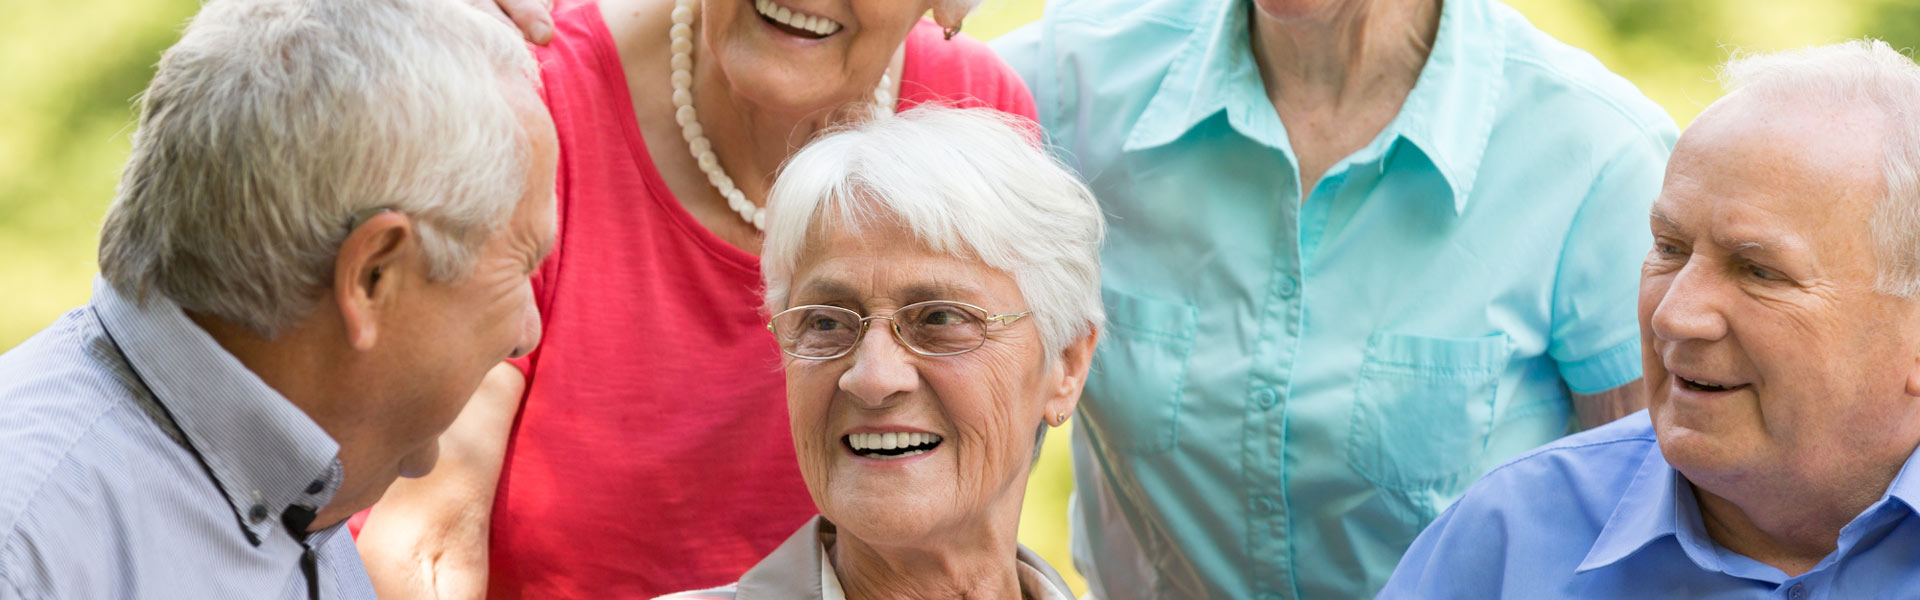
(1339, 76)
(980, 562)
(981, 569)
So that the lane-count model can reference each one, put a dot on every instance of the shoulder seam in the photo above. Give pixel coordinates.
(1641, 125)
(40, 485)
(1552, 449)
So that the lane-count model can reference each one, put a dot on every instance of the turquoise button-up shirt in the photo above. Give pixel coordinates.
(1290, 388)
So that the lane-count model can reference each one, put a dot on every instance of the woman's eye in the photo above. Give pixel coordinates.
(1666, 249)
(1764, 274)
(825, 324)
(941, 317)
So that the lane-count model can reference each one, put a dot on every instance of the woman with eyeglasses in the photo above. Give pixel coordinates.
(587, 468)
(934, 281)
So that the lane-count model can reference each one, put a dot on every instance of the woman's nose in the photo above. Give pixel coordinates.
(882, 368)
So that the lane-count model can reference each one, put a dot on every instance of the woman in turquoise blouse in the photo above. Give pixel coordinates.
(1361, 251)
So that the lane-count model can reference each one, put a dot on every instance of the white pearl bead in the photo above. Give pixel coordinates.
(681, 30)
(700, 145)
(692, 131)
(760, 219)
(709, 161)
(682, 80)
(683, 14)
(682, 45)
(685, 115)
(681, 62)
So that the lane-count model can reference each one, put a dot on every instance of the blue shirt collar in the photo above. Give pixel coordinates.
(260, 448)
(1659, 503)
(1448, 116)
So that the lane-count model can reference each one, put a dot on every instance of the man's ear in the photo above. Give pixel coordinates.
(1075, 362)
(366, 272)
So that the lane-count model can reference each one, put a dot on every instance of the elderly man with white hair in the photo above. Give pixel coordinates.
(1780, 319)
(320, 245)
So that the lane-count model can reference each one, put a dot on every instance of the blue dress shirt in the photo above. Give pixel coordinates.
(1294, 382)
(1602, 515)
(141, 460)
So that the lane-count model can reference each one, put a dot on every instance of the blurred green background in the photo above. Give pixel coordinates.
(70, 70)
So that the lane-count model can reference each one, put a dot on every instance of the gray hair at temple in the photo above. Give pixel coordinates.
(968, 182)
(272, 122)
(1860, 73)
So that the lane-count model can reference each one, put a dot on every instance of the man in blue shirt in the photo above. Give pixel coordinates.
(1781, 346)
(319, 246)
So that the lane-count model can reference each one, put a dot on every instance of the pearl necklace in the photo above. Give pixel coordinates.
(682, 40)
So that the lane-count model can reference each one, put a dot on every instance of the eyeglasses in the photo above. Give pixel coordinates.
(935, 328)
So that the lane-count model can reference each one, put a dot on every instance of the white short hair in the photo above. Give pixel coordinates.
(1859, 73)
(969, 182)
(272, 122)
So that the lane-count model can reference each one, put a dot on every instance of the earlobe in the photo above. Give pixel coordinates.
(948, 18)
(363, 275)
(1075, 362)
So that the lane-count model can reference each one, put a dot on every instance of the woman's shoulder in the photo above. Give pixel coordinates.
(961, 71)
(725, 592)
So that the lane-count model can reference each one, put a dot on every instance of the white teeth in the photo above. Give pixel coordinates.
(865, 442)
(821, 26)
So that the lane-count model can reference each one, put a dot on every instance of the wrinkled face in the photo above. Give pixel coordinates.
(971, 418)
(461, 329)
(1766, 349)
(803, 56)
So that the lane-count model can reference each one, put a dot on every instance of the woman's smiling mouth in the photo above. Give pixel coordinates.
(789, 21)
(891, 445)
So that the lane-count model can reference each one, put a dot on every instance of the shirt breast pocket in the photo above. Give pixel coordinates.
(1423, 409)
(1139, 375)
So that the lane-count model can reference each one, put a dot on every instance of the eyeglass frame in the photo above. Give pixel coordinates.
(1003, 319)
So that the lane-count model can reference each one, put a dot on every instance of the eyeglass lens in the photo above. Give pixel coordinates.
(933, 328)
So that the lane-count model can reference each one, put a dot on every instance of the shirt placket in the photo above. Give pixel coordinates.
(1269, 513)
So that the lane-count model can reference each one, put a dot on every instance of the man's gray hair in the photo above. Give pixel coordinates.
(273, 122)
(1859, 73)
(968, 182)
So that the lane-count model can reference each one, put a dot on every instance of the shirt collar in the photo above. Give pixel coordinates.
(1448, 116)
(1658, 504)
(1655, 506)
(262, 451)
(780, 574)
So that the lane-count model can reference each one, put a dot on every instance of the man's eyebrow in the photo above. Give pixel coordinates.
(1662, 217)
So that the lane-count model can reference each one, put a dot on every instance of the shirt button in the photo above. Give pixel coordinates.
(1797, 592)
(257, 514)
(1288, 286)
(1263, 504)
(1266, 398)
(316, 487)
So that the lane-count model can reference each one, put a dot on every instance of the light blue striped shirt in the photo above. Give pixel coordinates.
(144, 461)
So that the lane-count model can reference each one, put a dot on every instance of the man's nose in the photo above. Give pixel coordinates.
(1690, 307)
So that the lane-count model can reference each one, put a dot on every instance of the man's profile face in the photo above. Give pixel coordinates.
(459, 330)
(1767, 350)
